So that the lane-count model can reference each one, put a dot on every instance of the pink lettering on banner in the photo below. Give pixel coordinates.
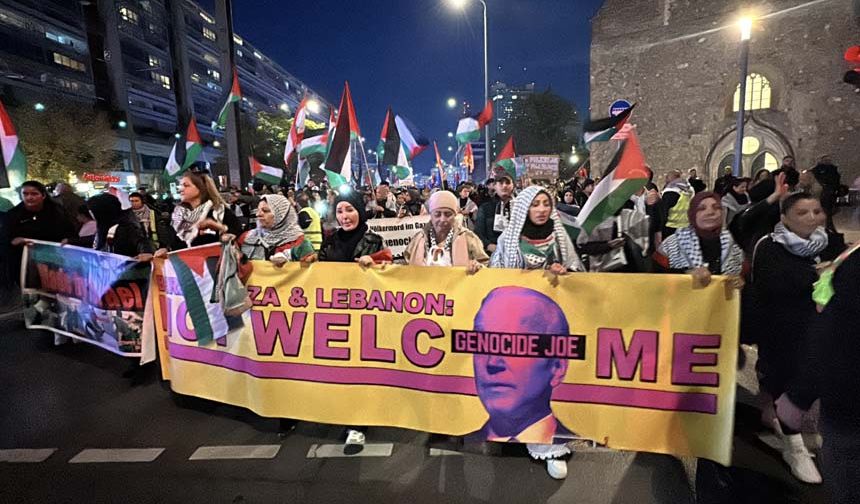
(323, 334)
(357, 299)
(340, 299)
(369, 349)
(270, 297)
(685, 356)
(411, 332)
(187, 333)
(289, 334)
(320, 297)
(642, 351)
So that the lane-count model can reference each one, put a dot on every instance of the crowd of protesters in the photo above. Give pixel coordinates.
(773, 235)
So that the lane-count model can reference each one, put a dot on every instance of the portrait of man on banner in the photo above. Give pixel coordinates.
(516, 391)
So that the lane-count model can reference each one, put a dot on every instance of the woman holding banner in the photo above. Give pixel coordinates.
(444, 241)
(353, 242)
(201, 217)
(278, 237)
(535, 239)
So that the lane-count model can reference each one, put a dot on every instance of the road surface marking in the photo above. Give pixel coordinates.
(96, 455)
(235, 452)
(336, 450)
(25, 456)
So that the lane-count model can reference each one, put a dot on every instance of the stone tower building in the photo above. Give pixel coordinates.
(678, 59)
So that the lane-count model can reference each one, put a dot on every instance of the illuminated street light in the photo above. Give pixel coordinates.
(344, 189)
(458, 4)
(177, 136)
(216, 144)
(284, 107)
(450, 134)
(122, 124)
(452, 102)
(746, 28)
(573, 159)
(39, 107)
(314, 106)
(450, 149)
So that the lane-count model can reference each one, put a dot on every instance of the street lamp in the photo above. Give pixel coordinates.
(284, 108)
(450, 134)
(451, 102)
(122, 124)
(461, 4)
(39, 107)
(216, 144)
(745, 25)
(314, 106)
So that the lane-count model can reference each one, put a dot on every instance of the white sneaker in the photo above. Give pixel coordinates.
(354, 442)
(797, 457)
(557, 468)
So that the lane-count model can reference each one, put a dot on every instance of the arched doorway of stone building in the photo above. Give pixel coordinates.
(763, 147)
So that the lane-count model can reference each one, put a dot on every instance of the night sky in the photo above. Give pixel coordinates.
(414, 54)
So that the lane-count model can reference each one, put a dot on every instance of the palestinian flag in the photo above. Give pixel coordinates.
(507, 159)
(267, 174)
(233, 96)
(184, 154)
(391, 151)
(469, 158)
(13, 164)
(331, 125)
(469, 128)
(313, 145)
(626, 174)
(602, 130)
(297, 132)
(338, 163)
(194, 269)
(411, 139)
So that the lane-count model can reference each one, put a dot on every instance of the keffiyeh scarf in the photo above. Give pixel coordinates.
(685, 252)
(798, 246)
(285, 229)
(184, 221)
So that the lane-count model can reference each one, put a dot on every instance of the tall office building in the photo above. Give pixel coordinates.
(504, 98)
(121, 56)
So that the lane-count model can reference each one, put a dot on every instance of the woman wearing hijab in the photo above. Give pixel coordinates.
(703, 248)
(278, 237)
(736, 199)
(568, 197)
(118, 231)
(444, 241)
(784, 271)
(353, 242)
(201, 217)
(535, 239)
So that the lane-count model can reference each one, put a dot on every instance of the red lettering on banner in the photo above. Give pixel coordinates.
(369, 350)
(324, 334)
(409, 341)
(684, 357)
(289, 334)
(642, 350)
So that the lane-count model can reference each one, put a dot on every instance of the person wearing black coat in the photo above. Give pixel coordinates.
(493, 216)
(119, 231)
(783, 274)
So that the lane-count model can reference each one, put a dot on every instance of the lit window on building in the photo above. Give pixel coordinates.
(209, 34)
(765, 160)
(154, 62)
(60, 39)
(195, 77)
(237, 39)
(68, 85)
(213, 86)
(758, 93)
(160, 79)
(208, 58)
(258, 55)
(206, 17)
(128, 15)
(239, 53)
(69, 62)
(215, 74)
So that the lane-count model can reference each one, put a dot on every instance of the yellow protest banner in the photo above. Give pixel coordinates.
(638, 362)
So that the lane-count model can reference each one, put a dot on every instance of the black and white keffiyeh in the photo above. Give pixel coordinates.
(285, 229)
(817, 241)
(185, 219)
(508, 253)
(685, 252)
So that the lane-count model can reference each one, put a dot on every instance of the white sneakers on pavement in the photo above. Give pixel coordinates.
(354, 442)
(797, 457)
(557, 468)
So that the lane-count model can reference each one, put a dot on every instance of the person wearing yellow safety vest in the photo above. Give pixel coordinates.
(145, 215)
(676, 196)
(309, 220)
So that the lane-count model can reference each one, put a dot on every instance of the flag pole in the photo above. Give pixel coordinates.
(366, 167)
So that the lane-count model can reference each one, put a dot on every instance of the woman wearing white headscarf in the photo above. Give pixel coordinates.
(535, 239)
(278, 237)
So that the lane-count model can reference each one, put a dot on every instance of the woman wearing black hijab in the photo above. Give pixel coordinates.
(118, 231)
(353, 241)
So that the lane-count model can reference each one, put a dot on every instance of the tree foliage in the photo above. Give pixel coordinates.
(544, 123)
(65, 138)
